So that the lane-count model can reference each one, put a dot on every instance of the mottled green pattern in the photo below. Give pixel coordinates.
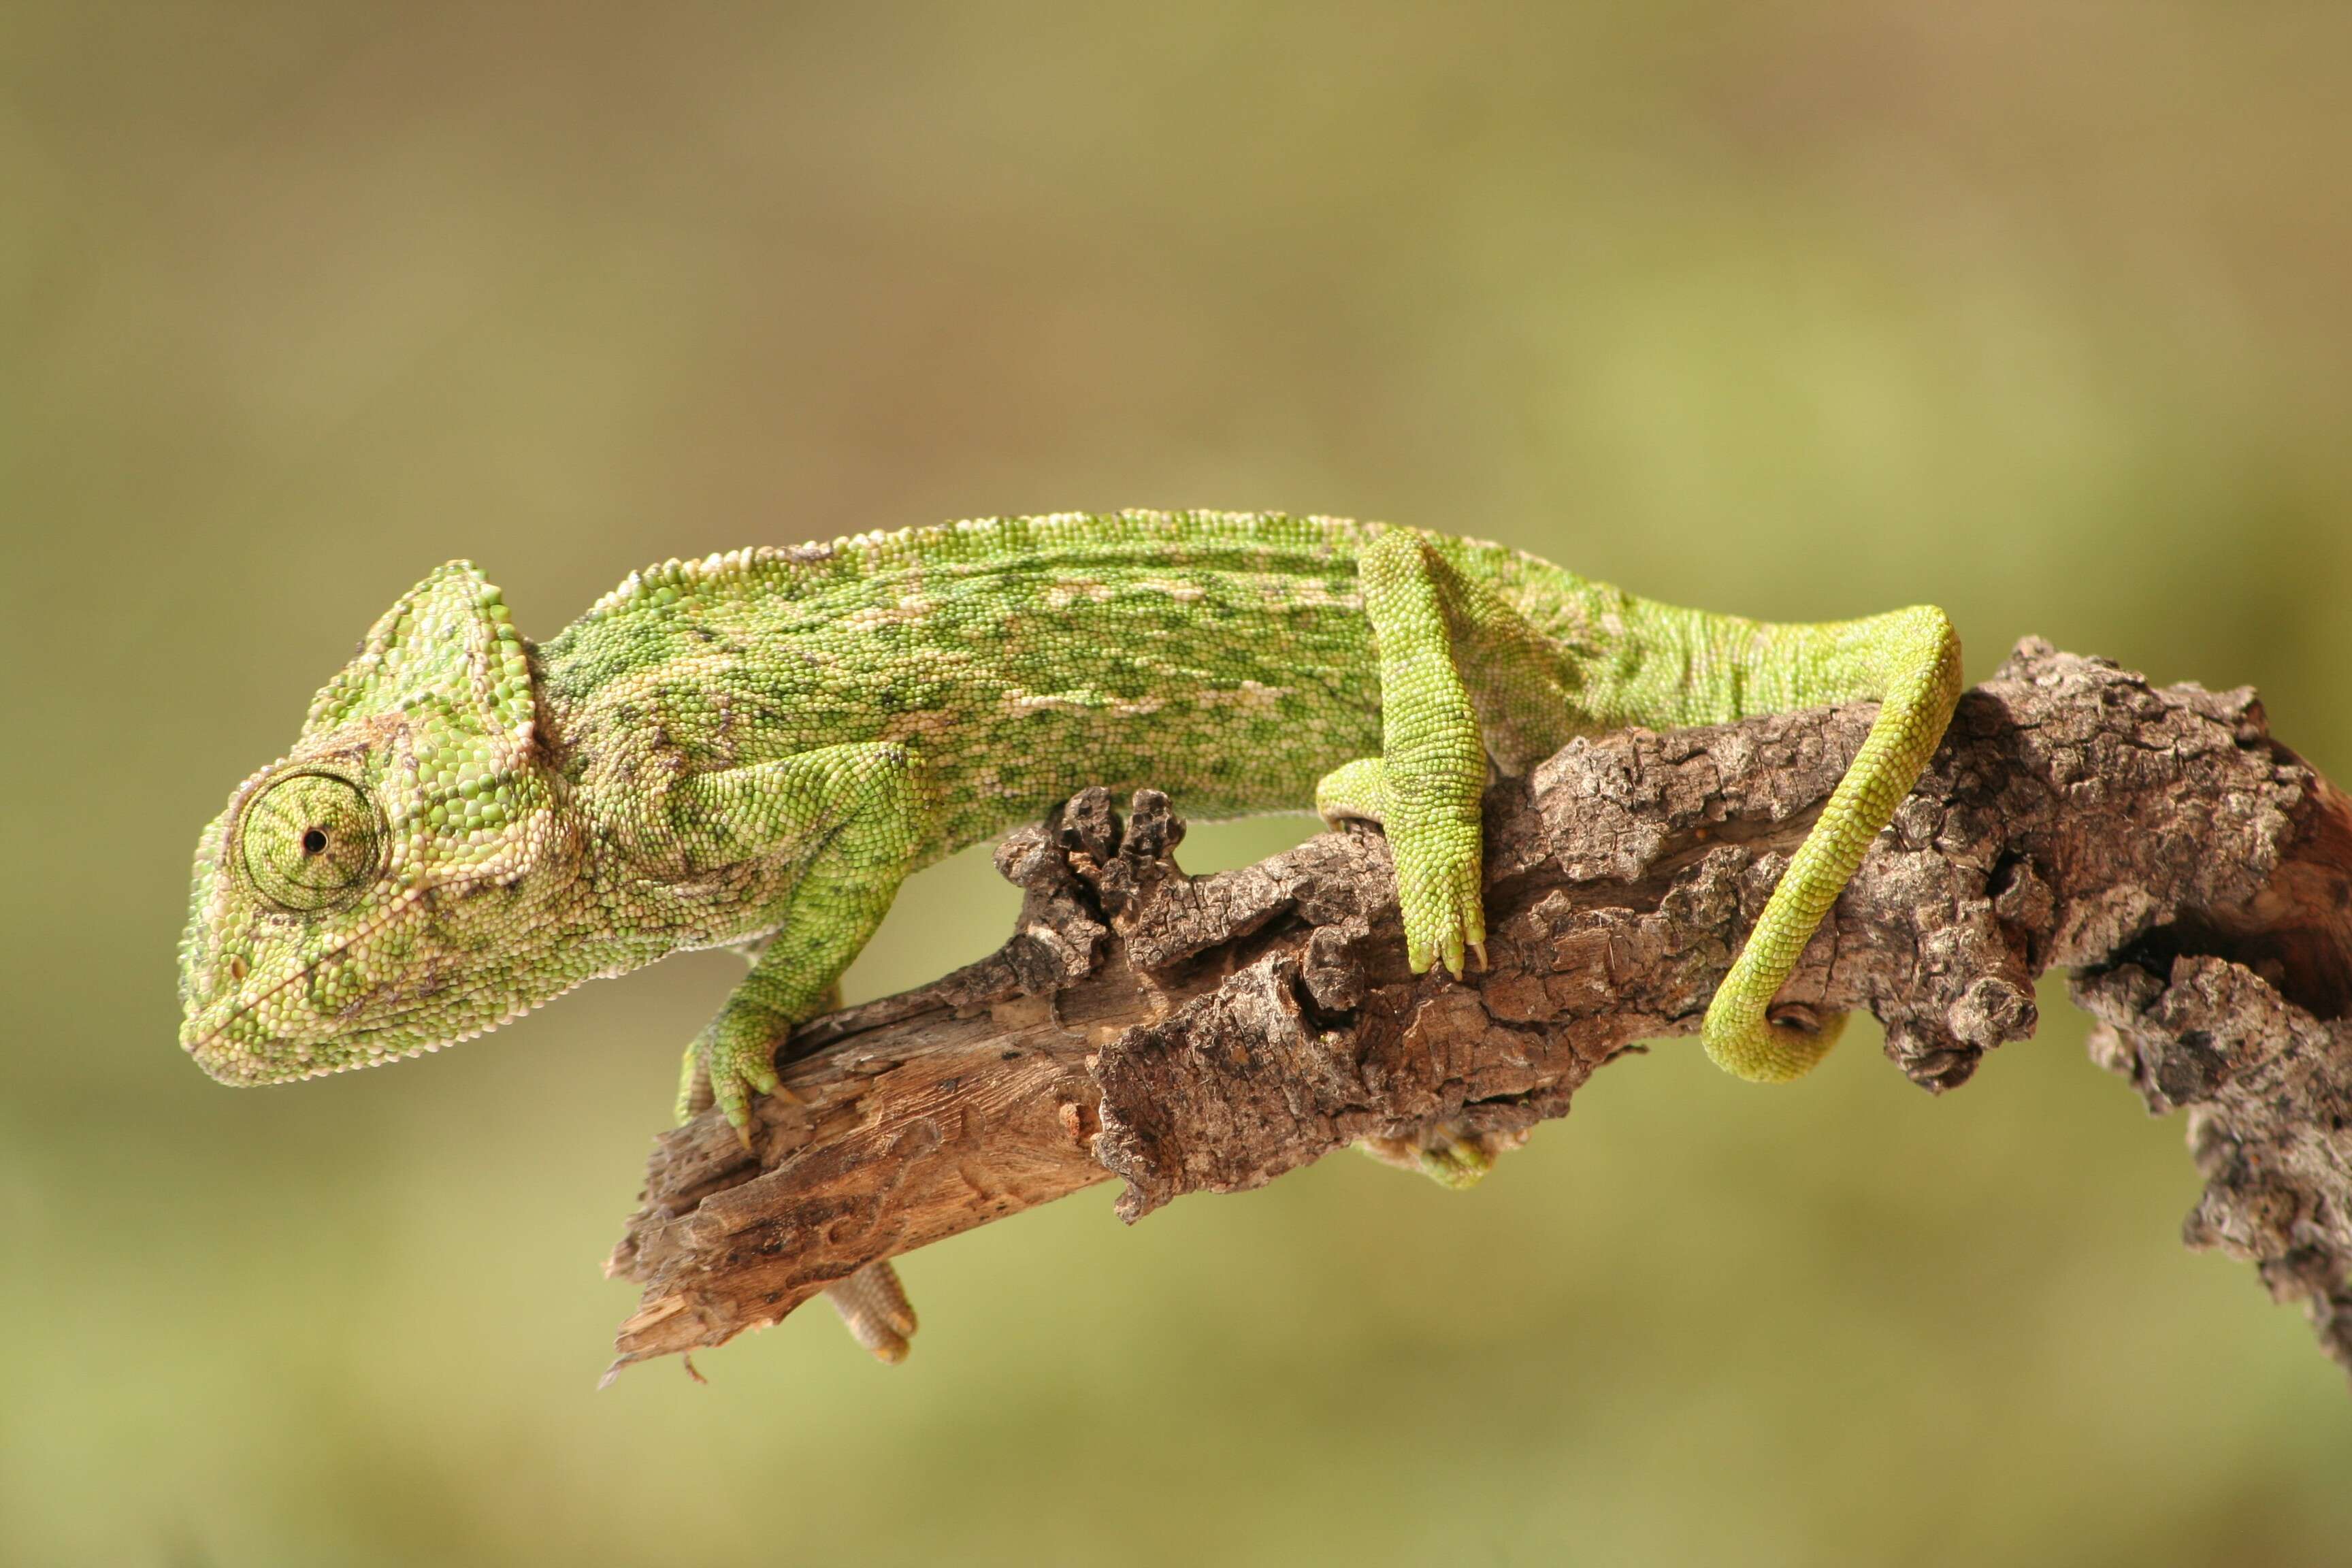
(757, 747)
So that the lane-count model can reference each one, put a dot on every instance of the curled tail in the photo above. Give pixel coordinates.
(1910, 661)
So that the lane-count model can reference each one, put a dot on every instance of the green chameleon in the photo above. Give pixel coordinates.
(754, 748)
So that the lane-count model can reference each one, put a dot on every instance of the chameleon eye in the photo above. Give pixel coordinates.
(310, 840)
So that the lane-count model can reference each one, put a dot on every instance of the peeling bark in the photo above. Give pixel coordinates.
(1187, 1035)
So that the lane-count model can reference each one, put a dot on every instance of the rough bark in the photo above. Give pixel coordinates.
(1186, 1035)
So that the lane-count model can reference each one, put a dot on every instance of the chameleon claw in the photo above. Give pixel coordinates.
(727, 1068)
(738, 1112)
(734, 1104)
(735, 1101)
(1443, 918)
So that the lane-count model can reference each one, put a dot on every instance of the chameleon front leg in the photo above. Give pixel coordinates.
(849, 814)
(1910, 661)
(1425, 786)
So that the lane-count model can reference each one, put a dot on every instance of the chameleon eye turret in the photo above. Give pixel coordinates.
(310, 841)
(406, 876)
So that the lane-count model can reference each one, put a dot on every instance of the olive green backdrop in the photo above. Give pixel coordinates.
(2035, 310)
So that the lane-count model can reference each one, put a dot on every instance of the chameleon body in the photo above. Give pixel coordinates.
(755, 749)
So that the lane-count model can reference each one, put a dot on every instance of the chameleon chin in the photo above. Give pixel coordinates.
(761, 744)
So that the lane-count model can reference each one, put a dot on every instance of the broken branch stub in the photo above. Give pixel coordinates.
(1208, 1034)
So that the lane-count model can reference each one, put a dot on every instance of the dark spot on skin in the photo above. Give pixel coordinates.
(314, 842)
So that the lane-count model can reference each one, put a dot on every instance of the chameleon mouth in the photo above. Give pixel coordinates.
(263, 1062)
(231, 1055)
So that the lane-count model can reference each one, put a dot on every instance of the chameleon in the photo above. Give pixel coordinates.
(754, 748)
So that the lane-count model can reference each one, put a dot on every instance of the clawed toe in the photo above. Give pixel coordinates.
(1445, 924)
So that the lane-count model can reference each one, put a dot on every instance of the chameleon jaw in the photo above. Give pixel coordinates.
(203, 1032)
(288, 1058)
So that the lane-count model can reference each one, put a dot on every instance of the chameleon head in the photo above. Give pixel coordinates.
(401, 879)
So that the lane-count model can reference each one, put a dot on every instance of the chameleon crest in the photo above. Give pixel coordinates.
(395, 881)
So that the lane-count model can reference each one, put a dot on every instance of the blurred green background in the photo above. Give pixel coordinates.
(2036, 310)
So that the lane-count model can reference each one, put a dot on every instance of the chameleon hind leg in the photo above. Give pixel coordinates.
(1910, 661)
(1426, 785)
(1463, 676)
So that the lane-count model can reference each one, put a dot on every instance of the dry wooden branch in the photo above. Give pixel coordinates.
(1186, 1035)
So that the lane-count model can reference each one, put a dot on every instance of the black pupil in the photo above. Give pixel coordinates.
(314, 841)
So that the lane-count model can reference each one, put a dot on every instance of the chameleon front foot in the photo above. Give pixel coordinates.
(727, 1063)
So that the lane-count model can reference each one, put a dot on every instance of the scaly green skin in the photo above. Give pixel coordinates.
(756, 748)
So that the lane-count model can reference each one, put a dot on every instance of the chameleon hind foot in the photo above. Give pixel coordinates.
(1440, 896)
(1439, 867)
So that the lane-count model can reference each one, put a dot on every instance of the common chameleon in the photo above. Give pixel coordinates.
(756, 748)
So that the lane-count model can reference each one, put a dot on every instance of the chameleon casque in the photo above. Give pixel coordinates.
(756, 748)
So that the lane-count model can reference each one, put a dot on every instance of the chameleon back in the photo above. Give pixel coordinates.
(1221, 657)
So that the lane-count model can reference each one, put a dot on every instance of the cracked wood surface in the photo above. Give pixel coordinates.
(1187, 1035)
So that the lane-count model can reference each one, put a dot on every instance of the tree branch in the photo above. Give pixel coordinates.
(1207, 1035)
